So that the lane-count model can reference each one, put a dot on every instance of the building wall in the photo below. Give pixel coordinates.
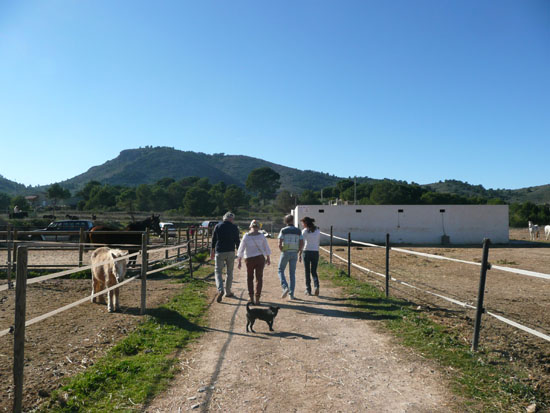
(414, 224)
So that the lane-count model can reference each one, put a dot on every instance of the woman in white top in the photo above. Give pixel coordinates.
(256, 252)
(312, 238)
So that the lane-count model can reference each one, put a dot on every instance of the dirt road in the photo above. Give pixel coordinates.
(324, 355)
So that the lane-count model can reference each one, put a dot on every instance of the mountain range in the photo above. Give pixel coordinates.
(147, 165)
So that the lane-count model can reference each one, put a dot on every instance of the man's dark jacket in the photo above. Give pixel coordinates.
(225, 237)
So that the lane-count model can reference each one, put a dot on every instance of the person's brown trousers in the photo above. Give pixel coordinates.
(255, 264)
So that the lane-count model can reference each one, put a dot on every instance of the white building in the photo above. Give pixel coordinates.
(411, 224)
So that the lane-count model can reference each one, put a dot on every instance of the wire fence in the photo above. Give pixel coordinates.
(428, 289)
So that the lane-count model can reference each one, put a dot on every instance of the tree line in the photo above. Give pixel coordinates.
(196, 196)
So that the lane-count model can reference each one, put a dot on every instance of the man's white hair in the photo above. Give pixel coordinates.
(228, 215)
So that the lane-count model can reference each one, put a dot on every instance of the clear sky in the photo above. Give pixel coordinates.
(421, 90)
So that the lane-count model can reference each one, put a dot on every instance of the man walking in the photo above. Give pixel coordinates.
(290, 243)
(225, 239)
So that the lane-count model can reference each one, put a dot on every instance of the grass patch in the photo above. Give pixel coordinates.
(141, 365)
(483, 386)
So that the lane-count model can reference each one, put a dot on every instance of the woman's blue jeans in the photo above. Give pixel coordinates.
(311, 259)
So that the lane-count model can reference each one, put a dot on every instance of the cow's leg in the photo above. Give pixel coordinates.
(93, 299)
(115, 297)
(100, 287)
(110, 281)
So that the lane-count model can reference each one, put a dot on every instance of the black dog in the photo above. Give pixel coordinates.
(266, 314)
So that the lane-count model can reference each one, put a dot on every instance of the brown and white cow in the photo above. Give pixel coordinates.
(107, 275)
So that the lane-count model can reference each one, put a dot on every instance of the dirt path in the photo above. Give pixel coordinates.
(323, 356)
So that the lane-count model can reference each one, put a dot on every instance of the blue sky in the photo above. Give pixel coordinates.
(421, 91)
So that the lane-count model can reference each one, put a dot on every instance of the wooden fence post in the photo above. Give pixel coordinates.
(349, 254)
(481, 292)
(144, 260)
(190, 258)
(81, 242)
(179, 241)
(196, 239)
(387, 265)
(166, 243)
(330, 255)
(19, 332)
(9, 263)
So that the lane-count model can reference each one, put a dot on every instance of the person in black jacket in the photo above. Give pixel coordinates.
(225, 240)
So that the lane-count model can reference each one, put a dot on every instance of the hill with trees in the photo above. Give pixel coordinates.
(150, 164)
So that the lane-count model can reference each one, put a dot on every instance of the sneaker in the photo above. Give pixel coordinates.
(306, 292)
(285, 292)
(291, 297)
(316, 292)
(219, 297)
(229, 295)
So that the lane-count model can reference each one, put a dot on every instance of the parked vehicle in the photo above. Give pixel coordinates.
(69, 225)
(207, 225)
(168, 227)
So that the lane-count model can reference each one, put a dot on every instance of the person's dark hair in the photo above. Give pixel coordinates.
(309, 223)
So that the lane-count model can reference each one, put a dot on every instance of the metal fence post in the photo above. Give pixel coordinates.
(330, 254)
(19, 332)
(349, 254)
(81, 241)
(9, 263)
(481, 292)
(144, 260)
(387, 265)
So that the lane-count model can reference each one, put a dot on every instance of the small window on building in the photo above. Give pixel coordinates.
(399, 210)
(321, 211)
(358, 211)
(441, 210)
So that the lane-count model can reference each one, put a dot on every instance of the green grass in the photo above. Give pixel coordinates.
(142, 364)
(475, 377)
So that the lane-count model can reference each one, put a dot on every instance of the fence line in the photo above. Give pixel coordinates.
(451, 300)
(4, 287)
(440, 257)
(76, 303)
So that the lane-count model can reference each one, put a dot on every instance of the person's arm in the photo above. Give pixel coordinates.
(280, 244)
(214, 241)
(300, 248)
(267, 251)
(236, 237)
(240, 252)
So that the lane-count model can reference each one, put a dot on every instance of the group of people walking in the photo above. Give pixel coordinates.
(295, 245)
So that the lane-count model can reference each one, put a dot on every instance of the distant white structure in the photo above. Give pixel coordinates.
(411, 224)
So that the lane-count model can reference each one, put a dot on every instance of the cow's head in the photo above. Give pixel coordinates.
(120, 265)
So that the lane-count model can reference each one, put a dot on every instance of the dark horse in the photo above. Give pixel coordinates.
(130, 241)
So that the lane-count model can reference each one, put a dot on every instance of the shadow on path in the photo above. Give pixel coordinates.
(205, 406)
(359, 315)
(288, 334)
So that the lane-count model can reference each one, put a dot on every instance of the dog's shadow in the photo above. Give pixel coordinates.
(291, 335)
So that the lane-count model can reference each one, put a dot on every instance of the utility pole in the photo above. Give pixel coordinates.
(355, 191)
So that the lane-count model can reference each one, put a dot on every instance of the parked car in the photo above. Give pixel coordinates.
(69, 225)
(168, 227)
(207, 225)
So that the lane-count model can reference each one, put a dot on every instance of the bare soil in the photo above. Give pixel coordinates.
(523, 299)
